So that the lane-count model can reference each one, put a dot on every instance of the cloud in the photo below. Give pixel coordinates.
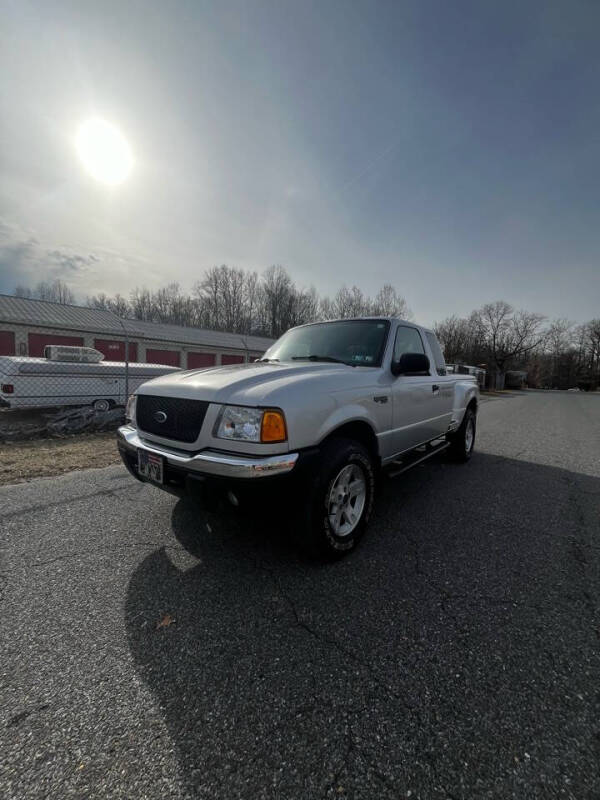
(25, 260)
(71, 261)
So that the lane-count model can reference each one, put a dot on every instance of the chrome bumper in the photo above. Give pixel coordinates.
(210, 462)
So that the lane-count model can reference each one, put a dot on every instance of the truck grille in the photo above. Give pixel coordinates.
(183, 418)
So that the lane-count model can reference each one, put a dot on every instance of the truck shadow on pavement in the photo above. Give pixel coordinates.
(454, 654)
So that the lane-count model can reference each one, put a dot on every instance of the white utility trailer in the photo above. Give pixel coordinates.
(70, 376)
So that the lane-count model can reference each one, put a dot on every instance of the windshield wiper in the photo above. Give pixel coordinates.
(267, 359)
(319, 358)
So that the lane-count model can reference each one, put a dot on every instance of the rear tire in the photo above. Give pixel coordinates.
(462, 440)
(340, 499)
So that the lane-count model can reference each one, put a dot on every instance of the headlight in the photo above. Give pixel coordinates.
(242, 424)
(130, 407)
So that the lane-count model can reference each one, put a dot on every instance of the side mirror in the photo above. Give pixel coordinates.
(411, 363)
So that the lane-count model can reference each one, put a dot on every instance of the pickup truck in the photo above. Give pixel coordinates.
(317, 419)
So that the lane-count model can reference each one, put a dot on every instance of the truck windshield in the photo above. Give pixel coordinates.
(356, 342)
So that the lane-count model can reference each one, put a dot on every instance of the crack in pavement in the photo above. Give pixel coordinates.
(332, 642)
(334, 784)
(16, 719)
(58, 503)
(579, 543)
(102, 551)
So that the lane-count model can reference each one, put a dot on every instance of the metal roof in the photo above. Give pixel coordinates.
(25, 311)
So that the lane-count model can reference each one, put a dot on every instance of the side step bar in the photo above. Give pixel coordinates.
(416, 457)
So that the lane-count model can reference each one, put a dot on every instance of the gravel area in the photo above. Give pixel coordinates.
(22, 461)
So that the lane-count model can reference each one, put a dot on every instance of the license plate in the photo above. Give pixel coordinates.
(150, 466)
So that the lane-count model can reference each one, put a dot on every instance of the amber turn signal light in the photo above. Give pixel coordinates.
(273, 427)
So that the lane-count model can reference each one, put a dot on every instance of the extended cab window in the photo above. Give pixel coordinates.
(436, 351)
(408, 340)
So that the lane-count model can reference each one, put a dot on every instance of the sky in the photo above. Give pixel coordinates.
(451, 149)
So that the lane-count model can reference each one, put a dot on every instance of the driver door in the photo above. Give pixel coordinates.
(414, 403)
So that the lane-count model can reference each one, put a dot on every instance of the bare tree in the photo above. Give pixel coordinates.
(120, 306)
(163, 301)
(559, 338)
(277, 294)
(507, 335)
(62, 293)
(592, 335)
(208, 294)
(232, 288)
(221, 294)
(307, 305)
(354, 302)
(251, 301)
(389, 303)
(559, 335)
(55, 291)
(455, 336)
(326, 308)
(342, 303)
(141, 305)
(350, 303)
(100, 301)
(117, 304)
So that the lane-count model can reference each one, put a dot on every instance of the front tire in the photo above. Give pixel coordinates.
(340, 499)
(101, 405)
(462, 440)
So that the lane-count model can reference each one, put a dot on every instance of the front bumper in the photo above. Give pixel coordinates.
(210, 463)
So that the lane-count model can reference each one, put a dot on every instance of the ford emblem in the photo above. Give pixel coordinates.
(160, 416)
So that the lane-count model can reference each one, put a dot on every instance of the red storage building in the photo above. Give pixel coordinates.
(37, 341)
(170, 357)
(27, 326)
(7, 343)
(229, 359)
(199, 360)
(113, 350)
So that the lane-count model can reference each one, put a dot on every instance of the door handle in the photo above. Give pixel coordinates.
(435, 388)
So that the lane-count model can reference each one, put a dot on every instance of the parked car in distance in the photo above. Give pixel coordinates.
(328, 407)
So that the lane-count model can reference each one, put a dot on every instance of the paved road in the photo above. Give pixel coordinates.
(455, 655)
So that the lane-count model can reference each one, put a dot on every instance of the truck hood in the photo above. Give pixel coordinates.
(261, 383)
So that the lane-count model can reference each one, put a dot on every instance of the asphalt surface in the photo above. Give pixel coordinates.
(456, 654)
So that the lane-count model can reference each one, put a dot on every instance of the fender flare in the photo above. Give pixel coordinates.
(465, 394)
(344, 416)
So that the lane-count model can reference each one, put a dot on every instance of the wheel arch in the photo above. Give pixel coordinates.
(359, 430)
(466, 396)
(473, 404)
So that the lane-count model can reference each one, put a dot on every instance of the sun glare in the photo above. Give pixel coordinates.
(104, 151)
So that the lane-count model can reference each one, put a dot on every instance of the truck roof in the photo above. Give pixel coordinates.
(380, 317)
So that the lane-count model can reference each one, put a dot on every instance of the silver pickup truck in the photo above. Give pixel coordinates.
(328, 407)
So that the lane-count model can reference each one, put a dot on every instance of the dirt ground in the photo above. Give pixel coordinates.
(22, 461)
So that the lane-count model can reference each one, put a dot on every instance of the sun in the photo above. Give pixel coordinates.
(104, 151)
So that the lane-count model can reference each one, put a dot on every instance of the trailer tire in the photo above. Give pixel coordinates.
(101, 405)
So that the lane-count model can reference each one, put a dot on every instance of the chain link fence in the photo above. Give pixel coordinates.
(70, 388)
